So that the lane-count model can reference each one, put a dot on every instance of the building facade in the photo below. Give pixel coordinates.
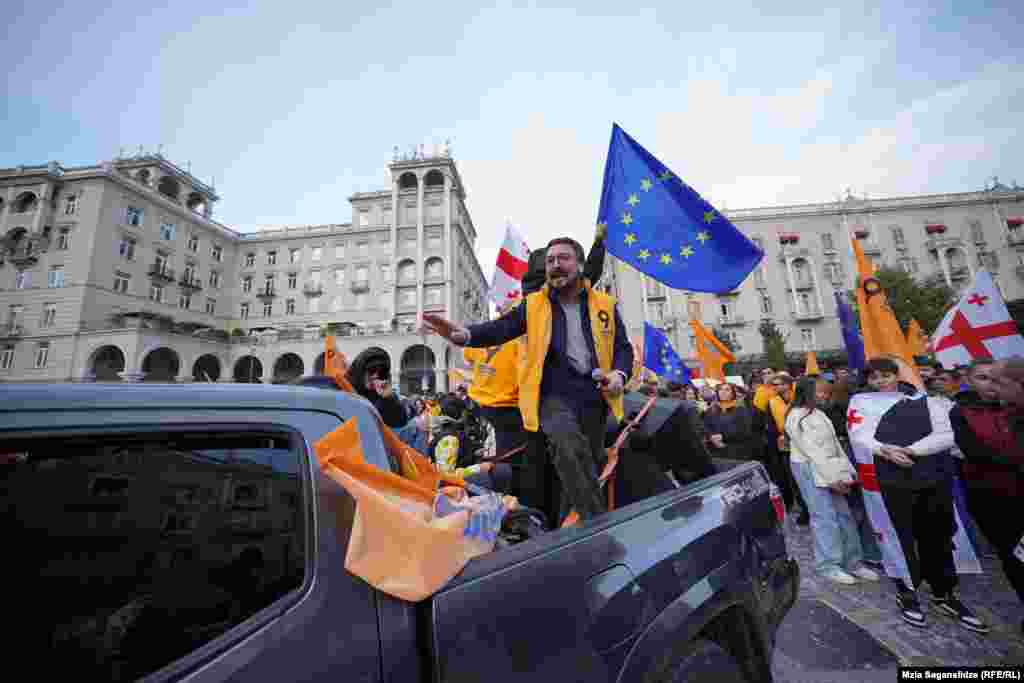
(808, 256)
(119, 272)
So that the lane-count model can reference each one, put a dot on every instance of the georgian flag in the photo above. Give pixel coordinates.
(979, 326)
(513, 260)
(862, 418)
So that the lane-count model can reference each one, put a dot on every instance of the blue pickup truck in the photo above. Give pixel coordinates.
(185, 531)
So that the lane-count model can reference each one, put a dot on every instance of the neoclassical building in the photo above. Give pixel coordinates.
(118, 271)
(808, 256)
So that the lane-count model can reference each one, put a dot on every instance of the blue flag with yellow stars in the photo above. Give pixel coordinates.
(660, 358)
(660, 225)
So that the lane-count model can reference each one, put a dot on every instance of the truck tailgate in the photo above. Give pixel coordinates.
(570, 605)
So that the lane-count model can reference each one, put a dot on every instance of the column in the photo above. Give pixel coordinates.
(419, 247)
(792, 284)
(45, 194)
(817, 286)
(944, 263)
(449, 252)
(394, 245)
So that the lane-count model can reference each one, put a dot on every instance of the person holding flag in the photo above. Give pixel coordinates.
(577, 358)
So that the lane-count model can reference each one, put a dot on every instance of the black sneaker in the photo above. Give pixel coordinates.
(910, 608)
(950, 605)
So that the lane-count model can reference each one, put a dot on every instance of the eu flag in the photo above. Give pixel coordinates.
(660, 225)
(851, 337)
(660, 358)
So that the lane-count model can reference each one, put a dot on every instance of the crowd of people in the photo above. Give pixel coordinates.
(554, 381)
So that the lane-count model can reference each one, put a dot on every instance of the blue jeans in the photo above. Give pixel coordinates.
(868, 541)
(836, 539)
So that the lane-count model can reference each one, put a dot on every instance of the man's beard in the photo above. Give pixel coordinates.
(561, 279)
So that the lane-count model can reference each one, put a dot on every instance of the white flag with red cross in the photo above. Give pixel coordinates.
(513, 261)
(979, 326)
(863, 415)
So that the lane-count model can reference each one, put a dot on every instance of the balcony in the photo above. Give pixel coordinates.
(801, 284)
(359, 286)
(789, 251)
(191, 283)
(959, 272)
(312, 289)
(808, 315)
(1015, 236)
(731, 320)
(159, 271)
(936, 242)
(267, 293)
(11, 331)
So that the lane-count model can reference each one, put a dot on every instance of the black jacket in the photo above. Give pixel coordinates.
(737, 427)
(560, 378)
(390, 409)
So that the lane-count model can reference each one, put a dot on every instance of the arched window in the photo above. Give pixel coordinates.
(25, 202)
(169, 187)
(143, 177)
(196, 202)
(407, 181)
(434, 269)
(433, 178)
(407, 271)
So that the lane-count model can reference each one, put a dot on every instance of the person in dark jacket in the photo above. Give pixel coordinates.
(577, 358)
(993, 466)
(370, 375)
(729, 425)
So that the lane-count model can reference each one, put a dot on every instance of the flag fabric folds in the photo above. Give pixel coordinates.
(660, 358)
(661, 226)
(882, 333)
(917, 340)
(407, 539)
(979, 326)
(811, 365)
(513, 259)
(851, 336)
(863, 416)
(713, 354)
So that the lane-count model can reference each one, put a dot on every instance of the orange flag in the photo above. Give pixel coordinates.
(882, 333)
(917, 340)
(414, 465)
(713, 354)
(812, 364)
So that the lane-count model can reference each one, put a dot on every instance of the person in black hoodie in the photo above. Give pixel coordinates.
(370, 375)
(993, 466)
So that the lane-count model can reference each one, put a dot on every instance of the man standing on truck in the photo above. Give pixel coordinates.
(576, 353)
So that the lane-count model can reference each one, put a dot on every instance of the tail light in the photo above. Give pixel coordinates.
(777, 503)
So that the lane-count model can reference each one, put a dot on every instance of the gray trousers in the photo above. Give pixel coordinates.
(576, 444)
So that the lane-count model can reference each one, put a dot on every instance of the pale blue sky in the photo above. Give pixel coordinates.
(292, 106)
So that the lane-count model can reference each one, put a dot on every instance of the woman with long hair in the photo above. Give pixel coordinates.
(825, 477)
(730, 427)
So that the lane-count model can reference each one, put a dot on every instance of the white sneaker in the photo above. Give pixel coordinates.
(839, 576)
(865, 573)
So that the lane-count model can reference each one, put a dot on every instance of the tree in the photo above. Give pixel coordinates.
(774, 344)
(925, 301)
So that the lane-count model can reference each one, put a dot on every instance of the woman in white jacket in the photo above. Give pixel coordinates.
(825, 475)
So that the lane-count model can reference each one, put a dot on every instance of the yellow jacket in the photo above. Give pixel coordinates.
(495, 381)
(601, 308)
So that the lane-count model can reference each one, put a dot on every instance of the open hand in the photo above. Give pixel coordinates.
(443, 328)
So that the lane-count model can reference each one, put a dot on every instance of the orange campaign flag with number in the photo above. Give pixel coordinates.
(882, 333)
(811, 367)
(713, 354)
(917, 340)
